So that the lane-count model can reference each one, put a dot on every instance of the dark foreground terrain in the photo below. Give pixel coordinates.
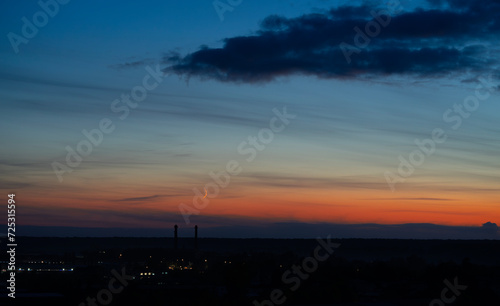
(267, 272)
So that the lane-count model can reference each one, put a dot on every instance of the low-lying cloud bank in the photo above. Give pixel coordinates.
(283, 230)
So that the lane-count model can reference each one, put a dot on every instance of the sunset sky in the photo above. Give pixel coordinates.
(357, 105)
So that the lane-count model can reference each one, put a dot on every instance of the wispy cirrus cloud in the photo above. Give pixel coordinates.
(137, 199)
(147, 198)
(417, 199)
(133, 64)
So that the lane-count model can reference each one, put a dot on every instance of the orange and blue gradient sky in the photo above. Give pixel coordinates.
(222, 80)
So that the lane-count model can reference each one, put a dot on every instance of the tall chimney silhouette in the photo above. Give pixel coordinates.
(175, 236)
(196, 237)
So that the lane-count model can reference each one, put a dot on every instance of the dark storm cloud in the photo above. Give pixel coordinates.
(449, 37)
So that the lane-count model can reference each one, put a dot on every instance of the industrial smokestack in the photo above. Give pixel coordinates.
(175, 236)
(196, 237)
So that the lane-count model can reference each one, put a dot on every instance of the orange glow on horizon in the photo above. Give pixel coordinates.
(345, 206)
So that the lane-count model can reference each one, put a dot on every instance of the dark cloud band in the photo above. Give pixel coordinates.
(448, 37)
